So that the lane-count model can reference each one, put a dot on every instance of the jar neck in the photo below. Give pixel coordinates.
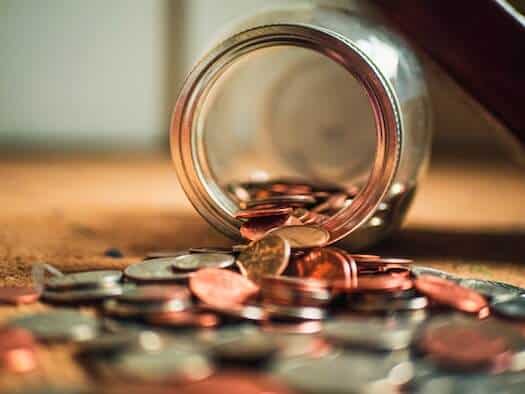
(186, 134)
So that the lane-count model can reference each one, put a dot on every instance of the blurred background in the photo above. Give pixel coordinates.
(103, 75)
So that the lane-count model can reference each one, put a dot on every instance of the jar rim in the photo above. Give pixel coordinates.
(195, 180)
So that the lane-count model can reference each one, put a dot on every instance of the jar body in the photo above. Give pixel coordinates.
(318, 92)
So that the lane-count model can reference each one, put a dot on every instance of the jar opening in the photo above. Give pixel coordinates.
(286, 103)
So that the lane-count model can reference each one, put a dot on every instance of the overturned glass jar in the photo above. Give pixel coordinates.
(313, 100)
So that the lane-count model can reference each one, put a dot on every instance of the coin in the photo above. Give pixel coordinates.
(383, 302)
(84, 279)
(513, 308)
(18, 295)
(196, 261)
(155, 270)
(239, 312)
(303, 236)
(382, 282)
(257, 213)
(169, 365)
(285, 290)
(374, 334)
(114, 307)
(221, 287)
(493, 289)
(257, 228)
(300, 327)
(211, 249)
(58, 325)
(334, 203)
(108, 343)
(267, 256)
(162, 254)
(291, 313)
(297, 200)
(449, 293)
(418, 270)
(82, 295)
(155, 294)
(252, 348)
(184, 319)
(326, 264)
(17, 350)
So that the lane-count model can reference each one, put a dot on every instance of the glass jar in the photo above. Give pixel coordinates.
(322, 92)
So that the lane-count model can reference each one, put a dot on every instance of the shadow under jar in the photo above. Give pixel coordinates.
(314, 95)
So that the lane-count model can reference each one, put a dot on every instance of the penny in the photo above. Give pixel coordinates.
(82, 295)
(297, 200)
(303, 236)
(155, 294)
(370, 333)
(84, 279)
(192, 262)
(326, 264)
(335, 202)
(257, 213)
(513, 308)
(58, 325)
(446, 292)
(18, 295)
(257, 228)
(17, 350)
(221, 287)
(267, 256)
(460, 346)
(184, 319)
(155, 270)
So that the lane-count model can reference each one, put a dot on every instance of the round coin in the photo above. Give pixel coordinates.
(267, 256)
(155, 294)
(292, 313)
(257, 228)
(82, 295)
(513, 308)
(449, 293)
(303, 236)
(326, 264)
(18, 295)
(297, 200)
(58, 325)
(184, 319)
(196, 261)
(253, 348)
(222, 288)
(257, 213)
(211, 249)
(155, 270)
(84, 279)
(496, 291)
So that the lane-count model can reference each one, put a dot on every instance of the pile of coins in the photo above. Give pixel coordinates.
(282, 314)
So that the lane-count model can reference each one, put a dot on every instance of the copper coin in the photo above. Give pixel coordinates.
(285, 290)
(17, 350)
(365, 257)
(222, 288)
(297, 200)
(449, 293)
(233, 382)
(257, 213)
(18, 295)
(462, 347)
(256, 228)
(184, 319)
(335, 202)
(326, 264)
(267, 256)
(303, 236)
(383, 282)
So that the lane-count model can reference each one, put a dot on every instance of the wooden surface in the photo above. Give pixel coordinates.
(468, 218)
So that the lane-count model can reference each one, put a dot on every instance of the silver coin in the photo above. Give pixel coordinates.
(82, 295)
(59, 325)
(221, 250)
(196, 261)
(513, 308)
(380, 303)
(155, 270)
(169, 365)
(495, 290)
(155, 294)
(241, 312)
(84, 280)
(113, 307)
(108, 343)
(370, 333)
(252, 348)
(279, 312)
(419, 270)
(303, 236)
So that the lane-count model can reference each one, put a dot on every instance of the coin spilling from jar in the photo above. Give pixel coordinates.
(283, 314)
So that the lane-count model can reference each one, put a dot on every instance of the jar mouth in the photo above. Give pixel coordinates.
(187, 150)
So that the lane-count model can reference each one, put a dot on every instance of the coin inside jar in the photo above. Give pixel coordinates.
(257, 228)
(196, 261)
(303, 236)
(267, 256)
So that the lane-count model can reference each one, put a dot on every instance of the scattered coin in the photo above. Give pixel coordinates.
(155, 270)
(513, 308)
(84, 280)
(291, 313)
(18, 295)
(222, 288)
(303, 236)
(327, 264)
(449, 293)
(82, 295)
(196, 261)
(149, 294)
(268, 256)
(246, 349)
(184, 319)
(58, 325)
(492, 289)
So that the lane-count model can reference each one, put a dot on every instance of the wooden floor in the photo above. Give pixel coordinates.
(468, 218)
